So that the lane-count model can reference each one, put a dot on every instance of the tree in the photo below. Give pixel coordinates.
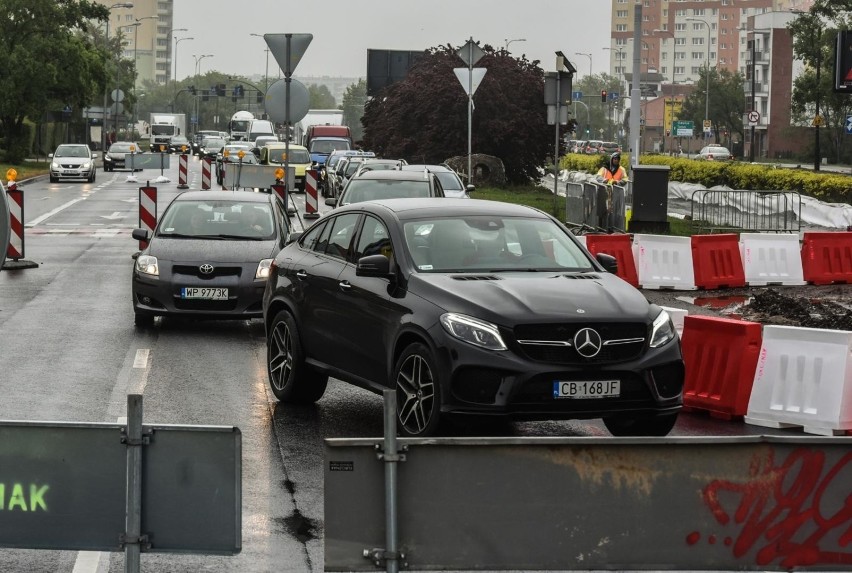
(47, 60)
(321, 98)
(423, 118)
(353, 108)
(727, 103)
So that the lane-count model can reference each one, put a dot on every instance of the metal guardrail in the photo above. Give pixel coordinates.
(716, 210)
(596, 205)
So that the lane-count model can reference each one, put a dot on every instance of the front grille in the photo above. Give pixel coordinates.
(541, 342)
(477, 385)
(64, 166)
(194, 271)
(206, 305)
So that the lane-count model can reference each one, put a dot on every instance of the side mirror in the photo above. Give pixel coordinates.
(373, 266)
(94, 155)
(141, 234)
(608, 262)
(331, 202)
(50, 156)
(470, 188)
(293, 237)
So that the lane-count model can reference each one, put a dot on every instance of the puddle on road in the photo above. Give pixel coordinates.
(297, 525)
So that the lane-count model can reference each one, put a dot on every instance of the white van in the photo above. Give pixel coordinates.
(259, 127)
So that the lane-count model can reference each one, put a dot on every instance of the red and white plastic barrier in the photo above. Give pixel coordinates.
(770, 259)
(147, 211)
(664, 262)
(717, 262)
(827, 258)
(620, 247)
(16, 222)
(205, 173)
(311, 200)
(720, 355)
(182, 170)
(803, 379)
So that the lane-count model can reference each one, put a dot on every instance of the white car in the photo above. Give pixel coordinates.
(72, 161)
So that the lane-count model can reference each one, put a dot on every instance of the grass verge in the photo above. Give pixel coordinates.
(25, 171)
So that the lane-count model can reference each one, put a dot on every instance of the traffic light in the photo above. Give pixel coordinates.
(220, 90)
(603, 96)
(192, 90)
(205, 95)
(259, 97)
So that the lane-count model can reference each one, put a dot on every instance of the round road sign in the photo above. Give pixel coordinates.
(300, 100)
(753, 116)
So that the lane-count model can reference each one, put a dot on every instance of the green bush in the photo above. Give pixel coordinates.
(830, 187)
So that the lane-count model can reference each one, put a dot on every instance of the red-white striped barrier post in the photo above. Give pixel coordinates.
(205, 173)
(182, 168)
(147, 211)
(311, 201)
(16, 222)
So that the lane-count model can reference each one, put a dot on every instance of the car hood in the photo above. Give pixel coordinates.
(72, 160)
(116, 154)
(533, 297)
(224, 251)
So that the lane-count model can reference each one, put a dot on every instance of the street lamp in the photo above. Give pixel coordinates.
(266, 73)
(169, 41)
(707, 91)
(510, 41)
(198, 62)
(590, 60)
(106, 84)
(178, 41)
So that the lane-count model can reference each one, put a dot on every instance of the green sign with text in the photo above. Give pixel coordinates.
(683, 128)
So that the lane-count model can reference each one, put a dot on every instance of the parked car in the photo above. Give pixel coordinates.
(451, 183)
(591, 146)
(609, 147)
(299, 159)
(579, 146)
(395, 184)
(468, 307)
(73, 161)
(115, 157)
(179, 144)
(715, 152)
(209, 256)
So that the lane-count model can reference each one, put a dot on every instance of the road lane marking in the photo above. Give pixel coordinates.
(50, 214)
(141, 360)
(87, 562)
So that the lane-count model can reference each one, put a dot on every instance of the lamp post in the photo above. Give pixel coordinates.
(169, 39)
(198, 62)
(266, 72)
(506, 47)
(178, 41)
(590, 60)
(106, 84)
(707, 90)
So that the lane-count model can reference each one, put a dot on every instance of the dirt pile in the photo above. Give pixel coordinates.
(772, 307)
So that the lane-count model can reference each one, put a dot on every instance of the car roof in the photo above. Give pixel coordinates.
(393, 175)
(419, 208)
(427, 167)
(283, 145)
(219, 195)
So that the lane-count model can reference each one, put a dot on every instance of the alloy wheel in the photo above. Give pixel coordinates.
(281, 361)
(415, 392)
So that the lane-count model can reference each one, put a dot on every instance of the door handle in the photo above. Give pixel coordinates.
(344, 285)
(302, 275)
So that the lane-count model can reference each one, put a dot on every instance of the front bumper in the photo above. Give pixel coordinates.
(65, 172)
(478, 381)
(162, 296)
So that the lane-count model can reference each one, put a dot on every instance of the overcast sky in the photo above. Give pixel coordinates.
(344, 30)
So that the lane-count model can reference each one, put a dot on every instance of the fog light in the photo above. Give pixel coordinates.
(146, 300)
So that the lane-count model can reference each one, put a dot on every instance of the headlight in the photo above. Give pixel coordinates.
(147, 265)
(473, 331)
(663, 330)
(54, 165)
(86, 165)
(262, 271)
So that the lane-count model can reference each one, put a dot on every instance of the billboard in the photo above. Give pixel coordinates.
(386, 67)
(843, 62)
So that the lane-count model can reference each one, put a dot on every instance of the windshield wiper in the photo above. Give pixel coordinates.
(238, 237)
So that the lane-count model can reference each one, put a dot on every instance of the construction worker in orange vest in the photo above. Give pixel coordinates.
(613, 173)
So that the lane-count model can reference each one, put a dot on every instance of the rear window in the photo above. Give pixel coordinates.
(369, 190)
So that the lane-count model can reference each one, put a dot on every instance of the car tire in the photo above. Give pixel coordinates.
(627, 427)
(54, 179)
(418, 392)
(290, 377)
(143, 319)
(91, 178)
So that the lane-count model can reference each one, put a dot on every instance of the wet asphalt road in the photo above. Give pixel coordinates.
(69, 352)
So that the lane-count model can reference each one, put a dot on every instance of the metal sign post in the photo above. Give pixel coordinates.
(4, 225)
(470, 53)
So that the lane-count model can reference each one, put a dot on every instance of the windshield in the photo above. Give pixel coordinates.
(492, 244)
(352, 167)
(162, 129)
(360, 190)
(218, 220)
(296, 155)
(328, 145)
(71, 151)
(240, 125)
(121, 147)
(213, 142)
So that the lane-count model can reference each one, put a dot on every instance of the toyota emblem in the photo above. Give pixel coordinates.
(206, 269)
(588, 342)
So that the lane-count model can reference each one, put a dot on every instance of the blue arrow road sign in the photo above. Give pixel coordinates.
(849, 125)
(577, 95)
(613, 95)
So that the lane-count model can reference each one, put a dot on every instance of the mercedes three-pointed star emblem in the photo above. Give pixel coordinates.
(588, 342)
